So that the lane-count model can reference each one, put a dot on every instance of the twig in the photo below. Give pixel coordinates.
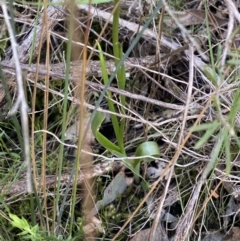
(20, 187)
(228, 37)
(21, 102)
(233, 8)
(59, 74)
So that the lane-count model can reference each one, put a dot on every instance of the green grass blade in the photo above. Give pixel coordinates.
(116, 127)
(115, 32)
(234, 108)
(227, 154)
(96, 123)
(216, 152)
(122, 85)
(212, 128)
(205, 126)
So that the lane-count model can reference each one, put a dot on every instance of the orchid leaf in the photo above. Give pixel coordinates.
(149, 149)
(106, 143)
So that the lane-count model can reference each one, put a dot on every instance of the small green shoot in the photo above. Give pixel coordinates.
(29, 233)
(209, 128)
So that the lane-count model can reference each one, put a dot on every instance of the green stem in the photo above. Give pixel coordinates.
(116, 16)
(117, 51)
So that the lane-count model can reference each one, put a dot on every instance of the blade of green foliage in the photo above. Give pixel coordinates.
(212, 128)
(211, 74)
(121, 75)
(17, 222)
(233, 61)
(236, 138)
(122, 85)
(24, 233)
(216, 151)
(28, 232)
(115, 31)
(107, 144)
(111, 106)
(149, 148)
(227, 154)
(145, 149)
(234, 108)
(96, 123)
(214, 124)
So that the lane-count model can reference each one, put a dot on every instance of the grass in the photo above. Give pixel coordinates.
(193, 151)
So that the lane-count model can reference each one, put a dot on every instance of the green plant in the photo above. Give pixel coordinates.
(32, 233)
(28, 232)
(146, 151)
(149, 148)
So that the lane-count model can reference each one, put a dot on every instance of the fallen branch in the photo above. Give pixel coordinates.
(57, 71)
(93, 69)
(20, 187)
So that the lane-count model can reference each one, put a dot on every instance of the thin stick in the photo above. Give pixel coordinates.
(21, 102)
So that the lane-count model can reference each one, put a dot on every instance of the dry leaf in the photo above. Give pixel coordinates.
(117, 187)
(193, 17)
(73, 131)
(234, 235)
(143, 235)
